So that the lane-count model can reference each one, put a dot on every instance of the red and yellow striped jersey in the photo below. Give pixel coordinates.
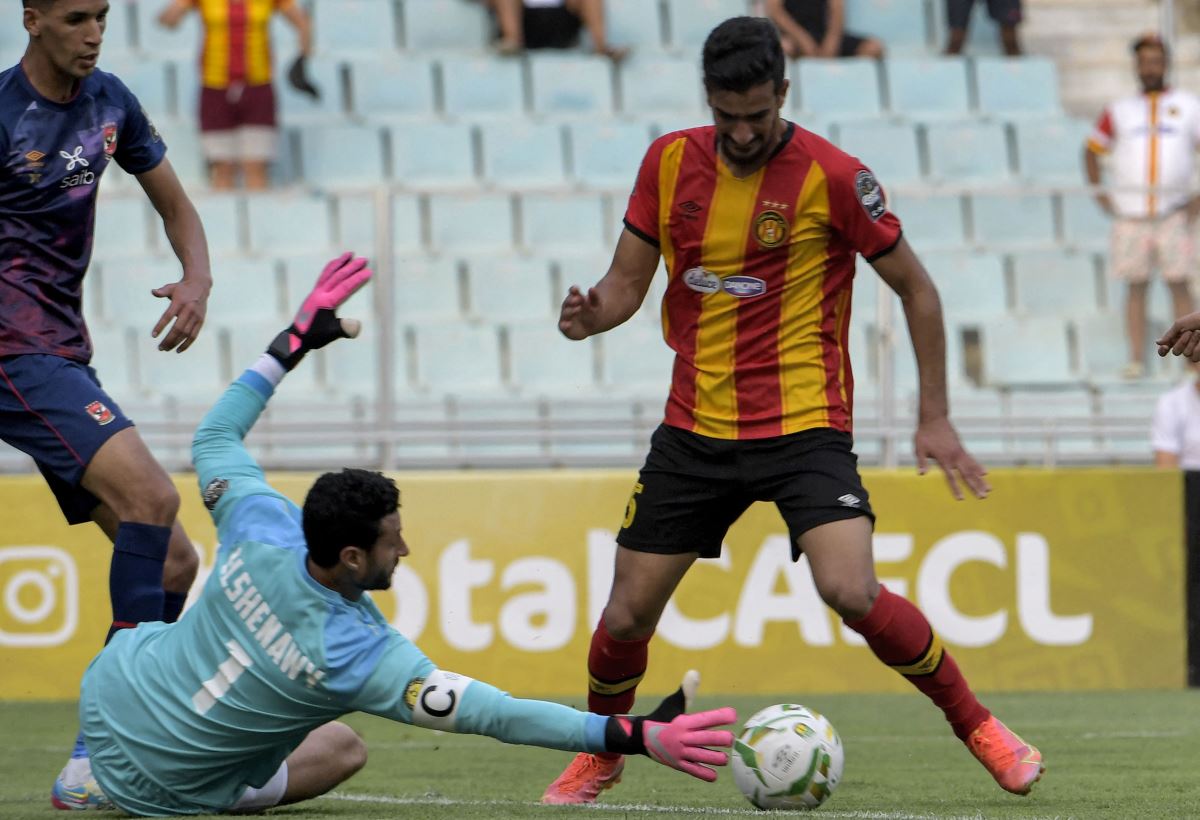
(757, 306)
(237, 44)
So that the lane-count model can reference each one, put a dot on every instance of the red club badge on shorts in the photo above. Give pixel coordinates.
(101, 414)
(110, 138)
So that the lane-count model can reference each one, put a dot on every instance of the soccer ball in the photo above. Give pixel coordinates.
(787, 757)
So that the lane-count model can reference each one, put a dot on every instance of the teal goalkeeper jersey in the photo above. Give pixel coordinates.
(182, 718)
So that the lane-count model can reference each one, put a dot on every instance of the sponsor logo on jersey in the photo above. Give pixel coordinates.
(74, 158)
(110, 138)
(213, 491)
(99, 413)
(770, 229)
(702, 281)
(869, 194)
(744, 287)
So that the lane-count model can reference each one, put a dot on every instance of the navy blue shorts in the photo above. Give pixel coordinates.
(54, 410)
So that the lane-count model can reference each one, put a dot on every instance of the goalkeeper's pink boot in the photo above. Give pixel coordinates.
(584, 779)
(1015, 764)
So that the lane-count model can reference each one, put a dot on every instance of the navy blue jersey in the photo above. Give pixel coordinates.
(51, 158)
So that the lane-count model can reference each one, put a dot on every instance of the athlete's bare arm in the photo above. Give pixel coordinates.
(617, 296)
(1182, 338)
(935, 437)
(189, 296)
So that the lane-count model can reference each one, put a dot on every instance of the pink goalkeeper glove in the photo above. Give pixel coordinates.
(681, 743)
(316, 324)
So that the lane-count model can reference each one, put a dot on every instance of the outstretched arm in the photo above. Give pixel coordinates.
(617, 295)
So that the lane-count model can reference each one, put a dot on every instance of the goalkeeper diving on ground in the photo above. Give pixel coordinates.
(235, 706)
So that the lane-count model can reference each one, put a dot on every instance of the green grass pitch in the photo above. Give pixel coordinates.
(1108, 755)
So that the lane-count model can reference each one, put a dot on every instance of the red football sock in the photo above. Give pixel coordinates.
(900, 636)
(615, 668)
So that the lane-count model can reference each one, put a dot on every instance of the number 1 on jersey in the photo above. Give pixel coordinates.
(227, 673)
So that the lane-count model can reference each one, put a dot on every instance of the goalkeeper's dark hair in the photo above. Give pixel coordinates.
(344, 510)
(741, 53)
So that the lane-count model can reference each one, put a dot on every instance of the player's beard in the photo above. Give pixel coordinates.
(380, 579)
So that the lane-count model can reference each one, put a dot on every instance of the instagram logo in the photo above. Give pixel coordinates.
(39, 596)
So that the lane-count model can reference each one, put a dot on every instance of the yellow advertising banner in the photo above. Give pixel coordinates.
(1059, 580)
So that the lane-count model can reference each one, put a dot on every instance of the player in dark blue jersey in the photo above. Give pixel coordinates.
(62, 122)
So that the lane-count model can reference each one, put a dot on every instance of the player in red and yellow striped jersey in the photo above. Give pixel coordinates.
(759, 222)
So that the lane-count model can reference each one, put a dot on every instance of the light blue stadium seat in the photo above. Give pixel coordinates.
(357, 220)
(1060, 409)
(342, 156)
(967, 152)
(971, 285)
(571, 85)
(289, 224)
(197, 375)
(564, 224)
(1049, 149)
(676, 88)
(924, 88)
(433, 155)
(1055, 283)
(352, 367)
(496, 427)
(122, 225)
(668, 123)
(151, 81)
(889, 149)
(544, 362)
(224, 218)
(112, 356)
(930, 219)
(635, 359)
(505, 289)
(427, 289)
(1103, 344)
(248, 288)
(1013, 220)
(900, 24)
(864, 300)
(1084, 224)
(479, 87)
(636, 23)
(840, 89)
(608, 155)
(1026, 350)
(182, 139)
(155, 39)
(294, 107)
(691, 21)
(444, 24)
(391, 87)
(479, 223)
(457, 357)
(523, 154)
(355, 26)
(125, 285)
(1017, 86)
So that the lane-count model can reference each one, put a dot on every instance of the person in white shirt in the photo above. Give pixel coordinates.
(1151, 138)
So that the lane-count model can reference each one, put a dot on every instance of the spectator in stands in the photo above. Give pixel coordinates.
(814, 28)
(551, 24)
(237, 98)
(1152, 138)
(1006, 13)
(1175, 437)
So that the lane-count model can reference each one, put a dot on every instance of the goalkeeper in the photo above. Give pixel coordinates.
(235, 707)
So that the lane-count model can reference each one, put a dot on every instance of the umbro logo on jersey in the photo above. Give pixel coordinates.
(35, 156)
(850, 500)
(690, 210)
(74, 158)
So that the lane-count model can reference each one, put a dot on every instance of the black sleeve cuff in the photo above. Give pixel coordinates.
(886, 250)
(641, 234)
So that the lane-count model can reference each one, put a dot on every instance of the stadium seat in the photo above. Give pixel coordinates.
(570, 85)
(1049, 149)
(297, 108)
(481, 87)
(608, 155)
(926, 88)
(457, 357)
(840, 89)
(151, 81)
(900, 24)
(564, 224)
(352, 368)
(224, 218)
(122, 225)
(182, 139)
(676, 88)
(1084, 224)
(342, 156)
(443, 24)
(1026, 351)
(522, 154)
(930, 219)
(154, 39)
(391, 88)
(971, 285)
(125, 284)
(356, 219)
(636, 360)
(354, 27)
(691, 21)
(544, 362)
(1016, 86)
(1012, 220)
(489, 427)
(1055, 283)
(510, 289)
(889, 149)
(112, 356)
(967, 152)
(635, 23)
(433, 155)
(288, 224)
(195, 376)
(1054, 411)
(427, 289)
(248, 288)
(1103, 344)
(479, 223)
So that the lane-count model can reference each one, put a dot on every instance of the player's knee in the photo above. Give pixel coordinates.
(626, 624)
(851, 600)
(351, 750)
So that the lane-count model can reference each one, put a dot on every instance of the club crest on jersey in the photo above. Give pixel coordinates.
(770, 229)
(99, 413)
(110, 138)
(701, 281)
(869, 194)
